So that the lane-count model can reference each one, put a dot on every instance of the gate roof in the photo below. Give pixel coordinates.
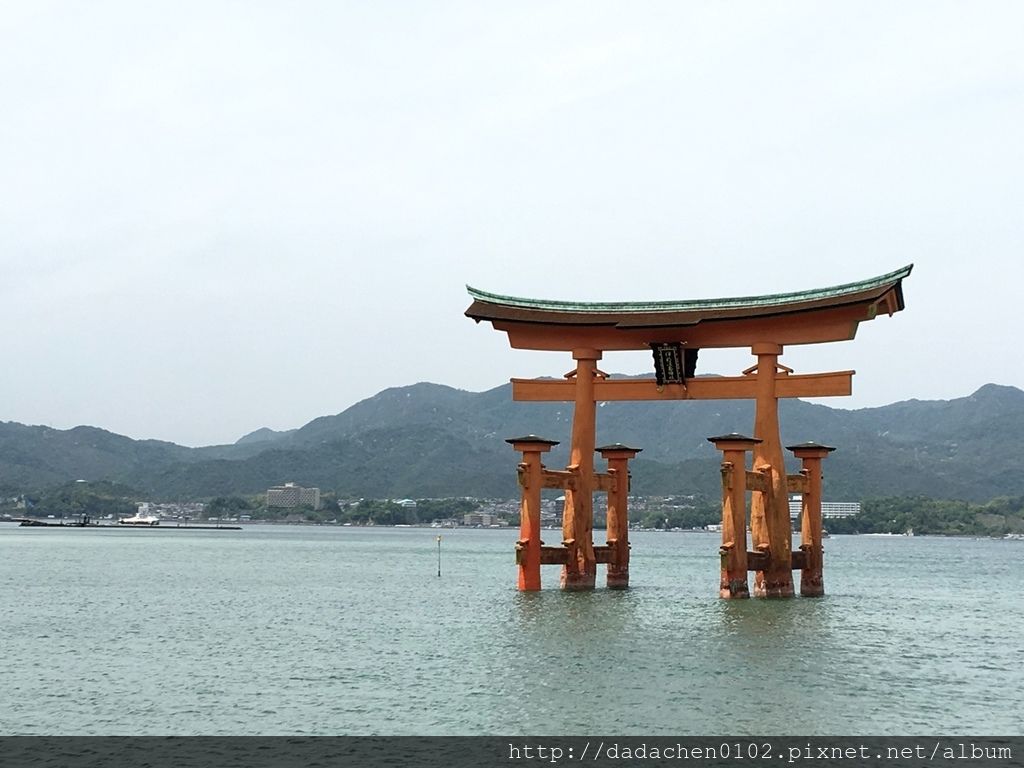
(802, 317)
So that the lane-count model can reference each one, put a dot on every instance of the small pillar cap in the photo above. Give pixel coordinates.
(617, 448)
(810, 447)
(734, 437)
(532, 439)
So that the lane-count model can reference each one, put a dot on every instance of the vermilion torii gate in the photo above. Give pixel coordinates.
(675, 331)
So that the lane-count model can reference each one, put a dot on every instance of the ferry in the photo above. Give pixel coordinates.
(139, 519)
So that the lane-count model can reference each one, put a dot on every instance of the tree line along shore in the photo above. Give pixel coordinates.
(922, 515)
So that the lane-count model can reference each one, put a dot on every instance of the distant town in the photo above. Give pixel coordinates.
(295, 504)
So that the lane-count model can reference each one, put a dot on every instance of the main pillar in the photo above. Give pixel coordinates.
(617, 525)
(531, 481)
(734, 448)
(769, 514)
(811, 578)
(580, 571)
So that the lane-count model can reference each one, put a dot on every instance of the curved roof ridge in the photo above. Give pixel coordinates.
(685, 305)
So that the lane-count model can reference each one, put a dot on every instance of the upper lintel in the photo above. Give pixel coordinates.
(824, 314)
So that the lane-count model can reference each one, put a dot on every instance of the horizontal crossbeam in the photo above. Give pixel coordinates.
(758, 481)
(797, 483)
(570, 480)
(832, 384)
(758, 561)
(560, 555)
(567, 480)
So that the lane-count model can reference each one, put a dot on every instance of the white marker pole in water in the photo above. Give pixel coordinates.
(439, 557)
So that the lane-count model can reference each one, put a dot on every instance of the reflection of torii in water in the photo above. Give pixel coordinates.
(675, 331)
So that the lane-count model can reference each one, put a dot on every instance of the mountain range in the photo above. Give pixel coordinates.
(429, 440)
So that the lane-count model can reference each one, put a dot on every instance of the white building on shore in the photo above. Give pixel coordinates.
(291, 495)
(829, 509)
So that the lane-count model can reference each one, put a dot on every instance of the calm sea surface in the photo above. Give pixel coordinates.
(304, 630)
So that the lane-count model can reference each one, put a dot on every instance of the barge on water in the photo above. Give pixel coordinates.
(87, 522)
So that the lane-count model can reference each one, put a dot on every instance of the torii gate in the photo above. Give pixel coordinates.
(675, 331)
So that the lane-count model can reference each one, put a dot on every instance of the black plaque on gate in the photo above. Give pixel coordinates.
(668, 362)
(673, 364)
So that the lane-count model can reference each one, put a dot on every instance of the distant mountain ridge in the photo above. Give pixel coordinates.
(428, 440)
(262, 435)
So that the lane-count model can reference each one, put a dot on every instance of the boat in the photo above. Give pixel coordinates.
(32, 522)
(139, 519)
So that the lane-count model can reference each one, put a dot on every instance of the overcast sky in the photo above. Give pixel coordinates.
(217, 216)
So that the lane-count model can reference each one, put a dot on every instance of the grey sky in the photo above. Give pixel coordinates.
(216, 216)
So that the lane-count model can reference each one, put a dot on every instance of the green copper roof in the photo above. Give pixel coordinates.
(693, 305)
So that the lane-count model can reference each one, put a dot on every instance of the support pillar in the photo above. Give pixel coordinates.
(734, 448)
(580, 571)
(531, 481)
(769, 514)
(617, 526)
(811, 578)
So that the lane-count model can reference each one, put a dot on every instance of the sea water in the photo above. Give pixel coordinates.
(304, 630)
